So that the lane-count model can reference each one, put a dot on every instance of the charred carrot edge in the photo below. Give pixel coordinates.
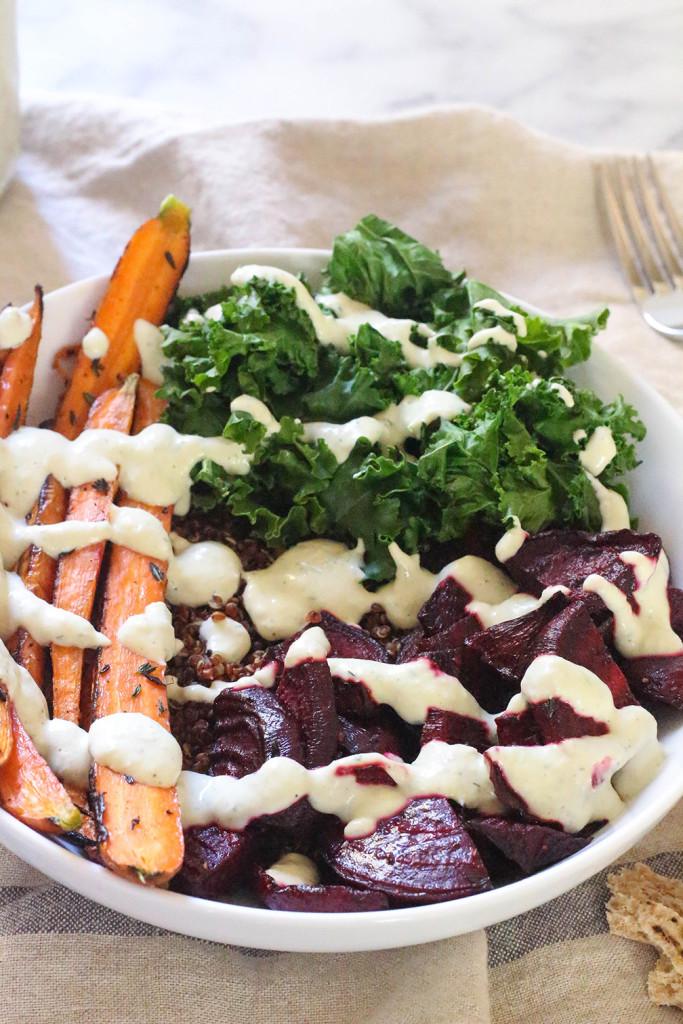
(6, 738)
(141, 287)
(30, 791)
(18, 368)
(141, 837)
(78, 571)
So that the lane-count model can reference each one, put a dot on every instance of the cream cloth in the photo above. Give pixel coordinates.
(518, 210)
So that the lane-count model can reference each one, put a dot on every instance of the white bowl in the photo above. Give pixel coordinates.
(657, 492)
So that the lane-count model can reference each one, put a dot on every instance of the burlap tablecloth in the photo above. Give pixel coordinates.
(518, 210)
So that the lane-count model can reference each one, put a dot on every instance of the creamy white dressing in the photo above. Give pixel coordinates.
(258, 411)
(498, 335)
(613, 508)
(201, 572)
(579, 435)
(45, 623)
(646, 631)
(195, 692)
(411, 689)
(350, 315)
(294, 869)
(153, 466)
(599, 451)
(95, 343)
(511, 608)
(563, 393)
(150, 634)
(225, 637)
(502, 312)
(573, 781)
(511, 541)
(15, 327)
(312, 645)
(138, 746)
(389, 428)
(457, 772)
(323, 575)
(149, 340)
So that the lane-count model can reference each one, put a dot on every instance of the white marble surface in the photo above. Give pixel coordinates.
(599, 72)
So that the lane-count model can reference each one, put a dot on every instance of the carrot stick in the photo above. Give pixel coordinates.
(78, 571)
(30, 791)
(148, 408)
(16, 379)
(141, 834)
(141, 287)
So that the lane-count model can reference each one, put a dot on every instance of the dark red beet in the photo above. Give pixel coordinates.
(353, 699)
(676, 606)
(494, 660)
(445, 606)
(568, 557)
(306, 690)
(248, 727)
(318, 899)
(346, 640)
(451, 727)
(518, 729)
(366, 774)
(422, 855)
(557, 720)
(382, 736)
(215, 861)
(573, 635)
(657, 677)
(505, 793)
(530, 845)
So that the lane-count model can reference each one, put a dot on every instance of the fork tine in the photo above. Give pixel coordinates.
(628, 256)
(639, 227)
(663, 218)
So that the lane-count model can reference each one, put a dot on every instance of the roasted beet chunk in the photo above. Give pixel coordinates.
(494, 661)
(557, 720)
(249, 726)
(572, 635)
(568, 557)
(306, 691)
(451, 727)
(676, 606)
(530, 845)
(215, 860)
(518, 729)
(318, 899)
(422, 855)
(657, 677)
(445, 606)
(384, 735)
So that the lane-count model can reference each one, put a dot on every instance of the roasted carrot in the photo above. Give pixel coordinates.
(141, 834)
(18, 368)
(148, 408)
(78, 571)
(141, 287)
(30, 791)
(6, 739)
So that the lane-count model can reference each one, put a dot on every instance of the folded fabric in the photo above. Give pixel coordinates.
(516, 209)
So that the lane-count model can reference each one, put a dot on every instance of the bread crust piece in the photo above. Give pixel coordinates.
(648, 907)
(665, 985)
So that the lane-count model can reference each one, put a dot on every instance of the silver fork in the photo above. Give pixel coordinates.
(648, 238)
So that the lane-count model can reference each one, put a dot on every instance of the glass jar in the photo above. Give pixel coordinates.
(9, 99)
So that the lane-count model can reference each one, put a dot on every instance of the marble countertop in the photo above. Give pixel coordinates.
(598, 72)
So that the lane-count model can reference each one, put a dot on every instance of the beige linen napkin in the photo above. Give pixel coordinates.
(516, 209)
